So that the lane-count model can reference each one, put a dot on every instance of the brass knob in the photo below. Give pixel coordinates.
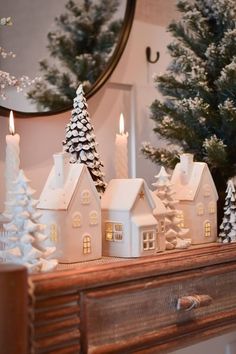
(187, 303)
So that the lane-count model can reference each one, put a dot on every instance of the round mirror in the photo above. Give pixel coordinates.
(59, 45)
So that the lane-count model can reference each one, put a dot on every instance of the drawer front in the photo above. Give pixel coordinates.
(140, 314)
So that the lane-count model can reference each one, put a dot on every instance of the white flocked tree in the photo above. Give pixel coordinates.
(80, 140)
(228, 225)
(175, 234)
(23, 240)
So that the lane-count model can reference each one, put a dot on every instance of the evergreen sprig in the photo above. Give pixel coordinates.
(198, 109)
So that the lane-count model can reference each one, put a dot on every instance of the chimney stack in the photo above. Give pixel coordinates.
(59, 162)
(186, 165)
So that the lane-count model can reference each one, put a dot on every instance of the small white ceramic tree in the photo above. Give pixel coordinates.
(24, 238)
(80, 140)
(228, 225)
(174, 233)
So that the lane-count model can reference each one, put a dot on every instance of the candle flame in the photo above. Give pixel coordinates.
(122, 124)
(11, 123)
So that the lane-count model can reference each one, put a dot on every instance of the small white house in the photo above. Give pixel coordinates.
(195, 189)
(129, 228)
(71, 211)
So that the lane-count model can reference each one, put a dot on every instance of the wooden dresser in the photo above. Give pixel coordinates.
(148, 305)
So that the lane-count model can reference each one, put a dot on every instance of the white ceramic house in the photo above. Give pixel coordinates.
(128, 225)
(195, 189)
(71, 211)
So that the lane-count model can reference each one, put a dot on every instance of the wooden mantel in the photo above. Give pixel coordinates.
(147, 305)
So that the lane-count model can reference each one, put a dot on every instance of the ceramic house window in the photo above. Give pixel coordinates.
(207, 229)
(76, 220)
(86, 244)
(180, 216)
(93, 217)
(148, 240)
(200, 209)
(206, 190)
(162, 226)
(211, 208)
(85, 197)
(53, 233)
(113, 231)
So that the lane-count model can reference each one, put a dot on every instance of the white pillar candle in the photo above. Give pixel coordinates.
(121, 152)
(12, 158)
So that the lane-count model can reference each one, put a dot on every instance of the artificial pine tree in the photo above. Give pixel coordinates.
(198, 112)
(228, 225)
(80, 140)
(174, 233)
(24, 239)
(80, 47)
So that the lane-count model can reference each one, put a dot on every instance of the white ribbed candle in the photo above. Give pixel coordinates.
(121, 152)
(12, 159)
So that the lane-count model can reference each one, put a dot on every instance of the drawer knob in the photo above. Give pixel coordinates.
(188, 303)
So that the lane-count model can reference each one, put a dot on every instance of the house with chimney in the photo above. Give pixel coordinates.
(71, 211)
(197, 195)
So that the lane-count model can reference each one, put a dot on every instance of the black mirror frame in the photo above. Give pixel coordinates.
(112, 63)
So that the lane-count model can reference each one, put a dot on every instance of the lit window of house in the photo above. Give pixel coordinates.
(53, 233)
(200, 209)
(87, 244)
(162, 226)
(76, 220)
(206, 190)
(212, 208)
(93, 217)
(113, 231)
(207, 229)
(85, 196)
(180, 216)
(148, 240)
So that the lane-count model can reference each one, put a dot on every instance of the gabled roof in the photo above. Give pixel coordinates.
(188, 191)
(54, 198)
(121, 194)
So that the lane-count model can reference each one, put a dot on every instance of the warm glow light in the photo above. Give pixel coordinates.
(122, 124)
(11, 123)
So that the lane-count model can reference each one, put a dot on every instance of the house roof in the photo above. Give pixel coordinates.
(144, 220)
(121, 194)
(54, 198)
(188, 190)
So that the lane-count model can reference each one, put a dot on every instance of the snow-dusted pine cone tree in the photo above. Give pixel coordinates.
(80, 140)
(174, 233)
(23, 241)
(228, 225)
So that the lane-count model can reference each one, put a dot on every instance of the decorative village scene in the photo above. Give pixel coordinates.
(81, 217)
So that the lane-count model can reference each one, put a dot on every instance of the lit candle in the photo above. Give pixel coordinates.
(121, 152)
(12, 158)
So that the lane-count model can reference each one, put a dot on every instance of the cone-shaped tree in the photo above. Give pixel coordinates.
(80, 46)
(80, 140)
(174, 233)
(24, 238)
(198, 112)
(228, 225)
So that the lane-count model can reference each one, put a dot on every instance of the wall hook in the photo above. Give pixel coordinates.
(148, 56)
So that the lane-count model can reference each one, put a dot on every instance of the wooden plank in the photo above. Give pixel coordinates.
(91, 277)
